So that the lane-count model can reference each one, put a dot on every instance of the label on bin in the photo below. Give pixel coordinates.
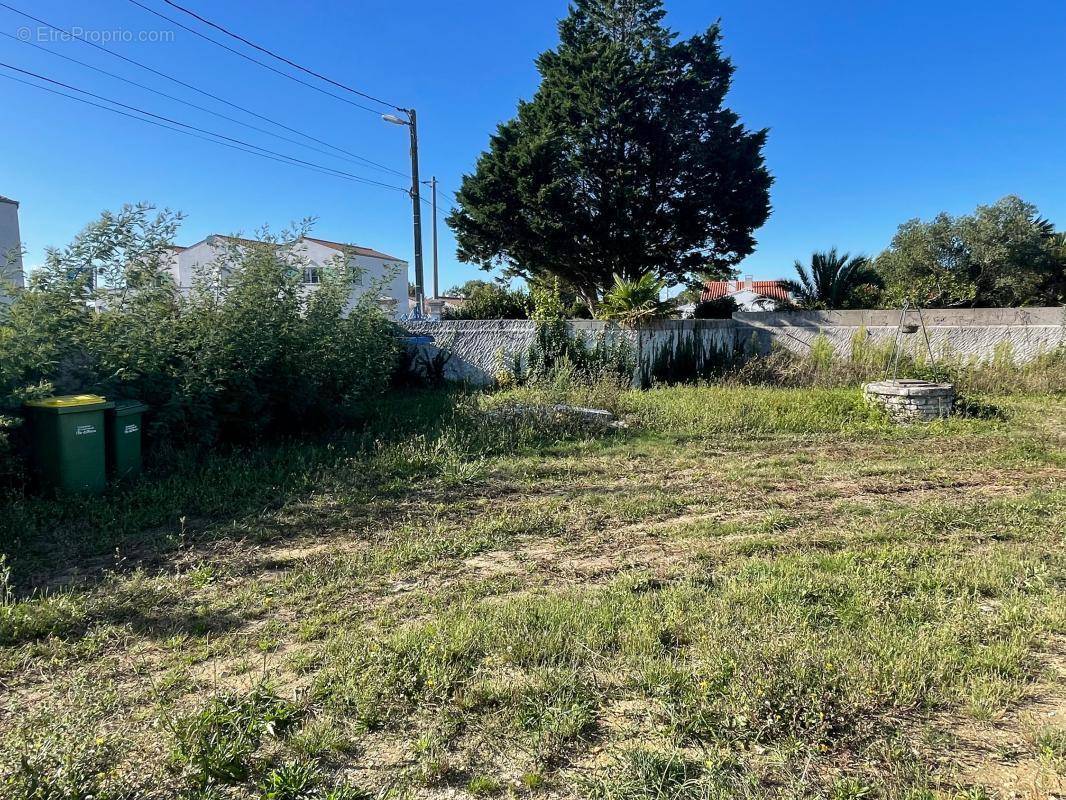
(131, 429)
(84, 430)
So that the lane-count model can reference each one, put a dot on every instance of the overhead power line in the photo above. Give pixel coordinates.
(196, 89)
(254, 60)
(205, 109)
(157, 124)
(184, 127)
(272, 54)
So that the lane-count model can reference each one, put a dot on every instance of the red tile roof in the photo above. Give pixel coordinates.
(363, 251)
(714, 290)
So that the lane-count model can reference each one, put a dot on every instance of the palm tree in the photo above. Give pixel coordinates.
(633, 302)
(832, 280)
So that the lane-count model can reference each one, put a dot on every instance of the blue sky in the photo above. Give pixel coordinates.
(878, 112)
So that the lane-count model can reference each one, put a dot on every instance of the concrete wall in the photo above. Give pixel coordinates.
(481, 347)
(972, 333)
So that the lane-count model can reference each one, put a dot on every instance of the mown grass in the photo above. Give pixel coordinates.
(746, 592)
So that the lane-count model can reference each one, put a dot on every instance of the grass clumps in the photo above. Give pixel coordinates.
(866, 360)
(1050, 745)
(642, 774)
(708, 411)
(782, 600)
(484, 786)
(218, 743)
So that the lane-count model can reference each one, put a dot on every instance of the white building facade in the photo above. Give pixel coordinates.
(10, 244)
(384, 275)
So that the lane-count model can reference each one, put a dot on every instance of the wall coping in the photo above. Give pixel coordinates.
(1054, 316)
(933, 317)
(909, 388)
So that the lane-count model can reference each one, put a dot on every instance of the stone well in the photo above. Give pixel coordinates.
(912, 400)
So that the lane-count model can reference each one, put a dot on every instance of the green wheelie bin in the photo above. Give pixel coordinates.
(67, 440)
(124, 439)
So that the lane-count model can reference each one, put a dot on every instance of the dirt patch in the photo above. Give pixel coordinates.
(1004, 756)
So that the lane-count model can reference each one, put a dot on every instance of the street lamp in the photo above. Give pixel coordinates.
(412, 123)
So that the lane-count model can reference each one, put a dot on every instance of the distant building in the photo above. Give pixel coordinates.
(749, 295)
(440, 307)
(10, 244)
(379, 272)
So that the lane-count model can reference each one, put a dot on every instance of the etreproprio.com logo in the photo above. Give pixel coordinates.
(94, 35)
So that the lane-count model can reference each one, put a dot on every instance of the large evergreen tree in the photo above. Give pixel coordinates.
(625, 162)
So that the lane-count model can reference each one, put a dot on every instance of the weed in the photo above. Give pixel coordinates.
(483, 786)
(557, 706)
(294, 780)
(1050, 745)
(641, 774)
(532, 780)
(217, 743)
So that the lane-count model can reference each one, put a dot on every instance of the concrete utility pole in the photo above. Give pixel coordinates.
(436, 273)
(416, 208)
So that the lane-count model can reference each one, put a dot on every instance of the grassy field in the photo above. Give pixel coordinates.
(745, 593)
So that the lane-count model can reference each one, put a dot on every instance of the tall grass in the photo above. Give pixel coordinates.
(868, 361)
(716, 410)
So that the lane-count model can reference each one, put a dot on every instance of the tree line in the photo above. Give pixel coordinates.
(626, 172)
(1003, 254)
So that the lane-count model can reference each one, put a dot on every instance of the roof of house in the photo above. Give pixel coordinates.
(362, 251)
(714, 290)
(8, 200)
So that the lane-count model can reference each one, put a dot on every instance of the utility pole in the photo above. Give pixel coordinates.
(416, 211)
(416, 207)
(436, 274)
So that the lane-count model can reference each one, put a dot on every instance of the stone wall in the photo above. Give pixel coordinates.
(482, 347)
(911, 400)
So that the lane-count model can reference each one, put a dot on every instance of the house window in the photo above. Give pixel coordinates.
(312, 274)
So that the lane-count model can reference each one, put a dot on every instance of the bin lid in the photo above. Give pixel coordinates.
(71, 402)
(124, 407)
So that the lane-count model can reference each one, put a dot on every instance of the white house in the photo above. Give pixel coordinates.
(384, 274)
(10, 243)
(749, 295)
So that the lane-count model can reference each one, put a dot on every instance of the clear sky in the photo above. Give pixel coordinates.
(878, 112)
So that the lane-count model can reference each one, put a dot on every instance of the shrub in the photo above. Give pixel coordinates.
(721, 308)
(492, 301)
(248, 351)
(686, 357)
(556, 353)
